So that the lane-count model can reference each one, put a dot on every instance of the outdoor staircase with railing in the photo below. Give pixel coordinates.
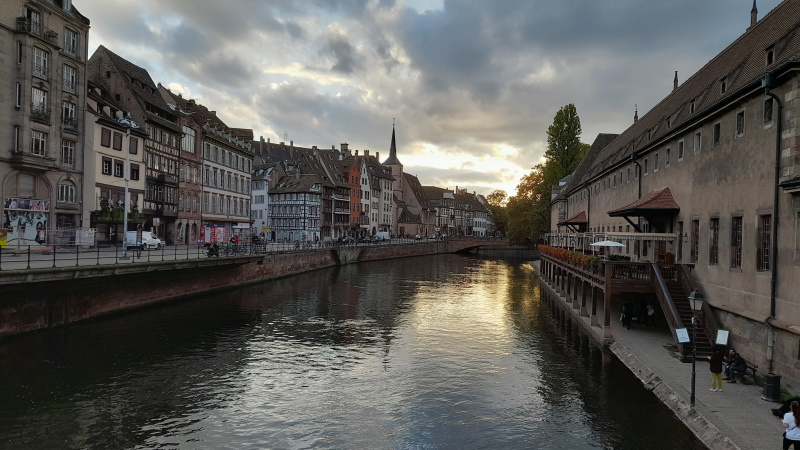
(678, 301)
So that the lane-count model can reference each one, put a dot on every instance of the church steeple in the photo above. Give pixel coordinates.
(392, 151)
(753, 15)
(636, 114)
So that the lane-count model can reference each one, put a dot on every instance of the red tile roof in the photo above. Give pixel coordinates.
(656, 201)
(577, 219)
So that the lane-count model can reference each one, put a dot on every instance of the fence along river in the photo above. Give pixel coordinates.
(440, 351)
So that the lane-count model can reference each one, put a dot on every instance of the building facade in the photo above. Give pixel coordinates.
(42, 145)
(714, 168)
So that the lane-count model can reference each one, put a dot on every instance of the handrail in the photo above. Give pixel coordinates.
(708, 320)
(662, 293)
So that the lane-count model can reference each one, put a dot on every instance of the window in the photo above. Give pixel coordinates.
(713, 240)
(70, 79)
(117, 141)
(105, 137)
(645, 167)
(66, 192)
(770, 55)
(119, 168)
(17, 139)
(68, 153)
(39, 99)
(69, 117)
(740, 124)
(18, 96)
(698, 140)
(666, 158)
(736, 242)
(716, 134)
(134, 171)
(764, 242)
(40, 63)
(134, 146)
(38, 143)
(691, 107)
(20, 52)
(680, 150)
(768, 110)
(655, 164)
(106, 166)
(695, 240)
(723, 85)
(70, 42)
(187, 143)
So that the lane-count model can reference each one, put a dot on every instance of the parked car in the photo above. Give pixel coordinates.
(149, 240)
(418, 237)
(346, 240)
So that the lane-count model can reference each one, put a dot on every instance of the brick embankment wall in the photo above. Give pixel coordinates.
(46, 298)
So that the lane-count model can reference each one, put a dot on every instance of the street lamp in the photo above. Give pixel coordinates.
(128, 123)
(696, 300)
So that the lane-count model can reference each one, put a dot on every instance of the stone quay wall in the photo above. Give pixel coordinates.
(45, 298)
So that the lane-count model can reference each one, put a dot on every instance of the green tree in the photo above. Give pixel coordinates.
(497, 205)
(564, 147)
(523, 215)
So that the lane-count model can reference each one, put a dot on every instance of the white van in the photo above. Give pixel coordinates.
(383, 235)
(149, 240)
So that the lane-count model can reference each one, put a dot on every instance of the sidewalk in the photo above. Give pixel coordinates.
(736, 418)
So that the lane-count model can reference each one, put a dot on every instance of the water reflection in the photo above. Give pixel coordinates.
(435, 352)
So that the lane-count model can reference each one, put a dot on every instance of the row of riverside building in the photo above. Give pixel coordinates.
(711, 177)
(64, 151)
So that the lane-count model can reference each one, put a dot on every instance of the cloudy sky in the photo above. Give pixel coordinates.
(472, 84)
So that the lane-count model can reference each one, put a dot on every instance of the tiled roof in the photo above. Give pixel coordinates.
(138, 83)
(742, 64)
(577, 219)
(656, 201)
(600, 142)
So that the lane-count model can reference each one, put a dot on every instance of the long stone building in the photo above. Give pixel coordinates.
(706, 183)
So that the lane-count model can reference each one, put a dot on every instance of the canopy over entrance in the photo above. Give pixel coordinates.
(653, 206)
(577, 222)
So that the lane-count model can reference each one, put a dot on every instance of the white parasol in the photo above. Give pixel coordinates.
(607, 244)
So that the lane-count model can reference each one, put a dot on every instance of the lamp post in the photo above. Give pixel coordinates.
(128, 123)
(696, 300)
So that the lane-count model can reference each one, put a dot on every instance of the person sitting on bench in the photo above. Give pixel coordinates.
(737, 367)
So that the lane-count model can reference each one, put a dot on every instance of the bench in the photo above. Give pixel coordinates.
(752, 368)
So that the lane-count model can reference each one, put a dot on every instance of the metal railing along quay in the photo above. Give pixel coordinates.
(20, 257)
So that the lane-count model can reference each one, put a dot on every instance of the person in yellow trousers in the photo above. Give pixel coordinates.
(715, 364)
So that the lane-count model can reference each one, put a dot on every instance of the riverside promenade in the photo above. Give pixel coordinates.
(736, 418)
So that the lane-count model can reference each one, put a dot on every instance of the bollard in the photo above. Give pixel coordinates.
(98, 253)
(29, 257)
(55, 250)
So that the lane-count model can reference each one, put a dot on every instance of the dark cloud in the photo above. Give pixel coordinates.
(337, 47)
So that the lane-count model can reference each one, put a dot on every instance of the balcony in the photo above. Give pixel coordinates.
(70, 86)
(41, 114)
(37, 29)
(70, 124)
(41, 71)
(32, 162)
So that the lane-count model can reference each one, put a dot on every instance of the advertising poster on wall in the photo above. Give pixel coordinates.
(24, 222)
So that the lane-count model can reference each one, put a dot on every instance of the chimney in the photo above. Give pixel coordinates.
(313, 147)
(675, 81)
(344, 147)
(356, 152)
(366, 152)
(378, 156)
(753, 15)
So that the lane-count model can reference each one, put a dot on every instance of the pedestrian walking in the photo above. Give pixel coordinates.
(790, 421)
(715, 365)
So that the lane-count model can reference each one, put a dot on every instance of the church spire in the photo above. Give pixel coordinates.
(753, 15)
(636, 114)
(392, 150)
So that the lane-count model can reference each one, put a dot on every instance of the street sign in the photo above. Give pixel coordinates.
(722, 337)
(264, 228)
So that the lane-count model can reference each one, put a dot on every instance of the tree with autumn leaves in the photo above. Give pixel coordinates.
(527, 213)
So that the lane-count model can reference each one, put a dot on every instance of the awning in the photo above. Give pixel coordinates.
(641, 236)
(577, 219)
(656, 202)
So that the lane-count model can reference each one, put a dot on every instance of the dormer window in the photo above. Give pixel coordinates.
(723, 85)
(770, 55)
(691, 107)
(67, 4)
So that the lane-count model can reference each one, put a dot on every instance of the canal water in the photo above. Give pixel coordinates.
(439, 352)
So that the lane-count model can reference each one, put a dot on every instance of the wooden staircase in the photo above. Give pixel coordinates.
(680, 299)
